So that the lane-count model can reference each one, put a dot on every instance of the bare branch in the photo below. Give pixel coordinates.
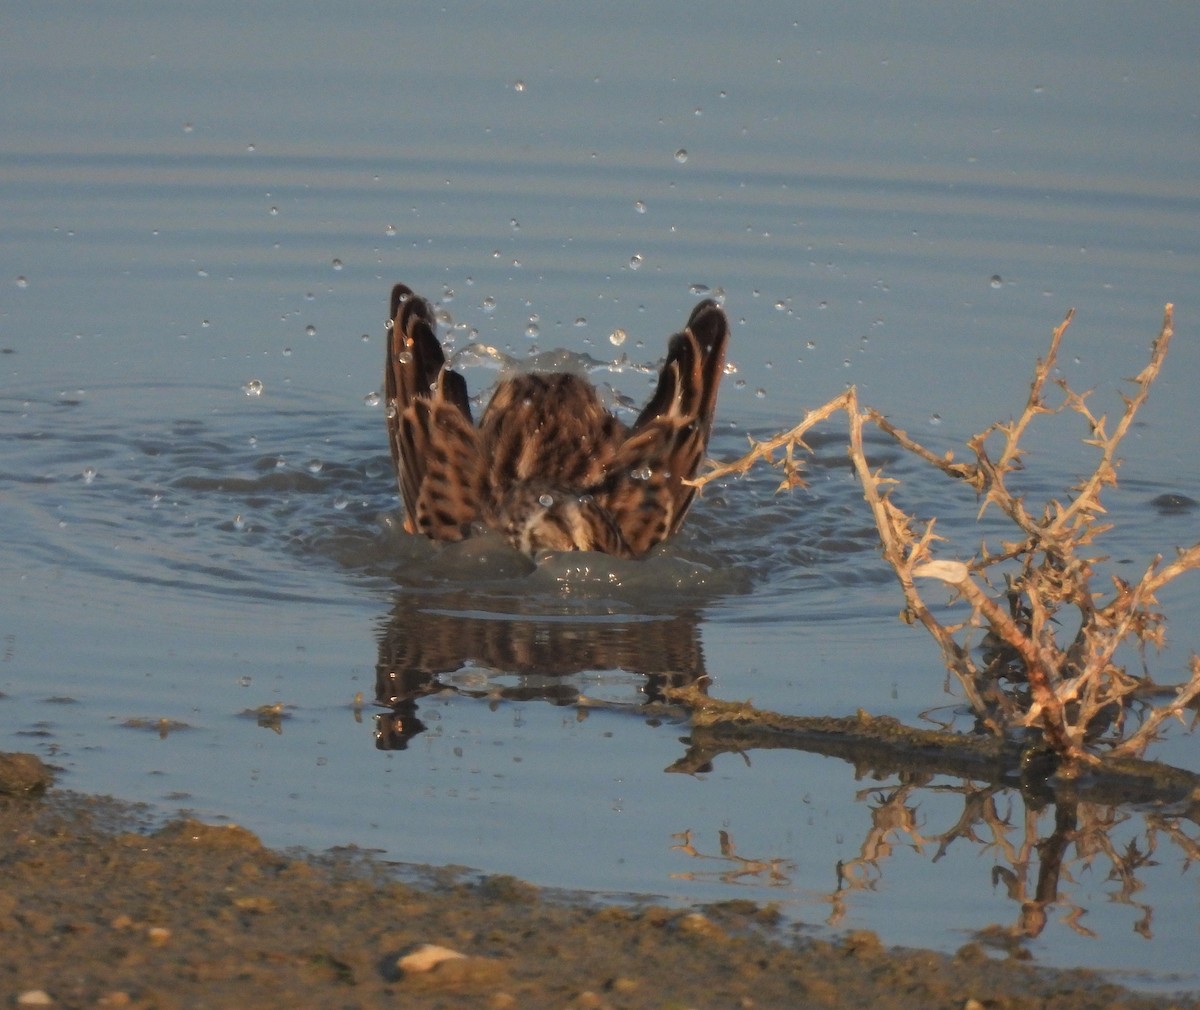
(1073, 691)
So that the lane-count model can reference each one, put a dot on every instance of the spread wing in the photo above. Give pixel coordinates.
(435, 447)
(645, 494)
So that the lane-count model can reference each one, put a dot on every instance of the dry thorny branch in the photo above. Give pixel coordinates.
(1047, 658)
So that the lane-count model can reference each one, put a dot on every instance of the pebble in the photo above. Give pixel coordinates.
(34, 997)
(434, 967)
(701, 925)
(425, 958)
(862, 943)
(216, 836)
(23, 773)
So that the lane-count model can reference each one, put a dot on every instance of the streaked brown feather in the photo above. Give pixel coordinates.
(435, 447)
(646, 495)
(549, 466)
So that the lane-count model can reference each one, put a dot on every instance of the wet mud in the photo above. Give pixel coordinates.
(101, 907)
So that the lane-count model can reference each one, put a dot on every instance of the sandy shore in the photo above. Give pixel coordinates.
(99, 910)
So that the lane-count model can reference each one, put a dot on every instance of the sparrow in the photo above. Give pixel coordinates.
(548, 467)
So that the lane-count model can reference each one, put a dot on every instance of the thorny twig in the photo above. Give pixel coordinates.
(1074, 692)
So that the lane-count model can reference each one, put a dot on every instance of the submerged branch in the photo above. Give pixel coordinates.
(879, 745)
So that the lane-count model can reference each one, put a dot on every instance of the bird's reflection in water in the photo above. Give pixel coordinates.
(460, 643)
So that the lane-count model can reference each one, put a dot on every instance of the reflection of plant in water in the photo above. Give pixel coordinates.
(770, 870)
(1048, 660)
(1036, 870)
(891, 817)
(1112, 824)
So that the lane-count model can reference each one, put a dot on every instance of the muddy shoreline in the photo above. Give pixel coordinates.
(101, 908)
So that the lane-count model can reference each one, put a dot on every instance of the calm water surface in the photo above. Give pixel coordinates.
(201, 225)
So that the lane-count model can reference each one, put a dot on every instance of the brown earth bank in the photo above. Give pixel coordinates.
(99, 909)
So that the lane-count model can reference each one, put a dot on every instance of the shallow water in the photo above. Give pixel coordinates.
(910, 205)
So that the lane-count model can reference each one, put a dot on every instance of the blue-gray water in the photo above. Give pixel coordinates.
(195, 200)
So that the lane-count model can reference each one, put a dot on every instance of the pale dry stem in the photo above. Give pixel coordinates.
(1075, 693)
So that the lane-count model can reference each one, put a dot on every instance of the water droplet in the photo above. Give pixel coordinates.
(89, 474)
(532, 330)
(810, 345)
(617, 337)
(314, 466)
(636, 261)
(639, 206)
(310, 330)
(681, 156)
(337, 264)
(274, 212)
(546, 500)
(730, 368)
(253, 388)
(239, 523)
(390, 231)
(935, 419)
(287, 352)
(22, 282)
(249, 148)
(488, 304)
(373, 399)
(187, 127)
(780, 305)
(366, 337)
(405, 357)
(997, 281)
(760, 393)
(698, 289)
(341, 503)
(518, 85)
(581, 320)
(245, 681)
(641, 473)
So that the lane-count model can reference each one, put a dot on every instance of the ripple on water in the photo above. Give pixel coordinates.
(237, 502)
(230, 502)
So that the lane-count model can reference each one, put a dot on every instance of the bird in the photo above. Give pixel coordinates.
(548, 467)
